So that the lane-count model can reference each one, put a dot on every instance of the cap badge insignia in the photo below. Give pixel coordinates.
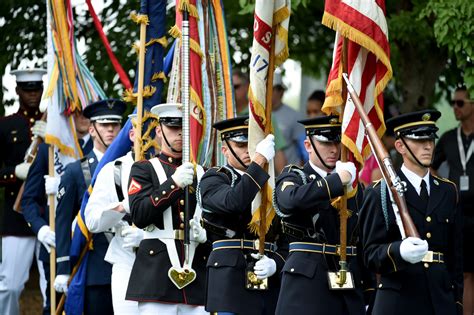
(426, 117)
(333, 121)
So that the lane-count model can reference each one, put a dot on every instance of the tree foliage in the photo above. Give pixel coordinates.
(431, 42)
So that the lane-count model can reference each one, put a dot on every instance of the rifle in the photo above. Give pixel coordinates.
(30, 155)
(396, 186)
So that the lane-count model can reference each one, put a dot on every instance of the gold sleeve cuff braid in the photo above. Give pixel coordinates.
(327, 187)
(389, 256)
(259, 187)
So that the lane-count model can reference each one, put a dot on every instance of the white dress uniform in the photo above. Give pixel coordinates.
(100, 217)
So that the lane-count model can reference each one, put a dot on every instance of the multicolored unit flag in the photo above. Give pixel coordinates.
(271, 18)
(71, 86)
(368, 67)
(152, 12)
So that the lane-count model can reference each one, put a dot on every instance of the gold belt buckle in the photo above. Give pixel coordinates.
(256, 244)
(179, 235)
(428, 257)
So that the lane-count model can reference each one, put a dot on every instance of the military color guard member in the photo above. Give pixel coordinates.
(311, 224)
(156, 197)
(227, 193)
(417, 275)
(105, 117)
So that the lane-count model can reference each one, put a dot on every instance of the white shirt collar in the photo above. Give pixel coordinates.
(415, 180)
(321, 172)
(98, 154)
(239, 171)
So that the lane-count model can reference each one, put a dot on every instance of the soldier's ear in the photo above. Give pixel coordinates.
(400, 146)
(307, 145)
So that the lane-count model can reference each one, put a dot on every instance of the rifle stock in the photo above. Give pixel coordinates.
(30, 155)
(397, 187)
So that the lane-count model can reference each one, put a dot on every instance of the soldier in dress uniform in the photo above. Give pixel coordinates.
(18, 242)
(157, 204)
(105, 117)
(310, 222)
(417, 275)
(108, 210)
(227, 193)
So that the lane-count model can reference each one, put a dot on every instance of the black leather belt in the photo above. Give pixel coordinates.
(242, 244)
(216, 229)
(321, 248)
(298, 232)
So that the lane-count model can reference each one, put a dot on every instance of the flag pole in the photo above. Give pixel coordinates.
(268, 129)
(186, 123)
(141, 71)
(52, 254)
(343, 212)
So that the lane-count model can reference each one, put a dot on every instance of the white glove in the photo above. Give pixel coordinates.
(60, 283)
(39, 128)
(21, 170)
(348, 167)
(47, 237)
(126, 204)
(413, 249)
(266, 147)
(198, 233)
(51, 184)
(132, 236)
(265, 267)
(184, 174)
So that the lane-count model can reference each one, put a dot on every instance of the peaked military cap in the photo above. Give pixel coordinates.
(234, 129)
(29, 79)
(105, 111)
(419, 125)
(169, 114)
(323, 128)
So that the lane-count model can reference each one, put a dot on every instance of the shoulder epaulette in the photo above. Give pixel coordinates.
(444, 179)
(449, 182)
(293, 166)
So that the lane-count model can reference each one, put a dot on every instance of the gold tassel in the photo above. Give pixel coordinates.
(139, 18)
(162, 41)
(174, 31)
(158, 75)
(130, 97)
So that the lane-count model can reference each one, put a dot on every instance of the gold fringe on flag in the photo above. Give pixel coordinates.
(363, 40)
(254, 224)
(258, 107)
(184, 5)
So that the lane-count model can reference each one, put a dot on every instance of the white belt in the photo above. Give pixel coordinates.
(163, 234)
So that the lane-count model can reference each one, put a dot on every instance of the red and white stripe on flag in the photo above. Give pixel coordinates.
(368, 67)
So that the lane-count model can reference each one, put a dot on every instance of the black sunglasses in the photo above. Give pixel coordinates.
(458, 103)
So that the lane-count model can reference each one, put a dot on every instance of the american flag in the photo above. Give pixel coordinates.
(368, 67)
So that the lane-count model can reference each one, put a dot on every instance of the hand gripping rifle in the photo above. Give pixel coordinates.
(397, 187)
(30, 155)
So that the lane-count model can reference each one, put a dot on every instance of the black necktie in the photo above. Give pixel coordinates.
(424, 194)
